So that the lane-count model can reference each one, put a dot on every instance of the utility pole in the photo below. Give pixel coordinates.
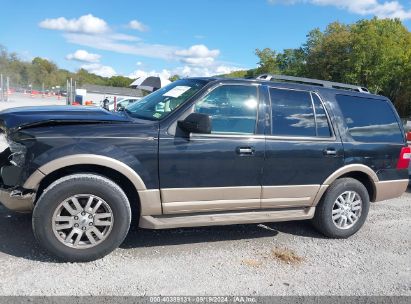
(67, 92)
(7, 88)
(2, 88)
(74, 91)
(71, 91)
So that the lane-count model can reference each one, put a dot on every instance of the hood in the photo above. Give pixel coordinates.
(25, 117)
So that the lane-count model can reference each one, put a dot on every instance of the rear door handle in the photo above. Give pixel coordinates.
(330, 152)
(245, 150)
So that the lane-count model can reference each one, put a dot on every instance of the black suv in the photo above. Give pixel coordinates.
(199, 152)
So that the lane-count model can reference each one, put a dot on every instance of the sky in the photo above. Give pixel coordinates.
(164, 37)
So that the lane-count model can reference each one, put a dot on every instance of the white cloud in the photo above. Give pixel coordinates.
(84, 56)
(140, 73)
(186, 71)
(93, 32)
(85, 24)
(198, 61)
(137, 25)
(198, 55)
(381, 9)
(122, 37)
(198, 51)
(108, 43)
(99, 69)
(194, 71)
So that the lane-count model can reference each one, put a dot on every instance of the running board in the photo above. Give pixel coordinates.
(228, 218)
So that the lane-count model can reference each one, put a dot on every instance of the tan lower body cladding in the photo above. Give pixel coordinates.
(190, 200)
(226, 218)
(390, 189)
(189, 207)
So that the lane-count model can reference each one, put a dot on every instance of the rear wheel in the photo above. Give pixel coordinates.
(343, 209)
(81, 217)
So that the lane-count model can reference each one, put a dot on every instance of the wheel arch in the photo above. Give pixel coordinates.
(362, 173)
(146, 200)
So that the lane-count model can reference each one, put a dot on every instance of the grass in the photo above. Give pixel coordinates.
(286, 255)
(252, 262)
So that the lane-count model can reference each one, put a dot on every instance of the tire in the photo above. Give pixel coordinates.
(331, 206)
(64, 204)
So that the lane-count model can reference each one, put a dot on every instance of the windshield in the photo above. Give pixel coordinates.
(165, 100)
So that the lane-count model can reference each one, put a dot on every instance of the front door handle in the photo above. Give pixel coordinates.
(330, 152)
(245, 150)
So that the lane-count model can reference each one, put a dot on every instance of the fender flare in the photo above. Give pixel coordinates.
(352, 168)
(340, 172)
(150, 201)
(35, 179)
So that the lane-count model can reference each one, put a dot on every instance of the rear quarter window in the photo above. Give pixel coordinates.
(370, 120)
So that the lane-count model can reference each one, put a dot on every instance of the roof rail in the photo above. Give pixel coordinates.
(323, 83)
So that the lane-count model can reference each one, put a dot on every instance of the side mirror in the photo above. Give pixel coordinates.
(120, 108)
(196, 123)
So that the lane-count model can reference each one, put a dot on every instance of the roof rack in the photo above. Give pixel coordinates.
(323, 83)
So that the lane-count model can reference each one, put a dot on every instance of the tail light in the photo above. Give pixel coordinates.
(404, 160)
(409, 136)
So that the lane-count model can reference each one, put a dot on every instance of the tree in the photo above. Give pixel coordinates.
(174, 78)
(119, 81)
(328, 54)
(42, 71)
(373, 53)
(268, 61)
(292, 62)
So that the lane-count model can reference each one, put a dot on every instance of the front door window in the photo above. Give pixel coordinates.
(232, 109)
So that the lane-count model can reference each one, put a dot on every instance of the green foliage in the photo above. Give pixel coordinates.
(174, 78)
(235, 74)
(42, 71)
(373, 53)
(119, 81)
(84, 77)
(268, 61)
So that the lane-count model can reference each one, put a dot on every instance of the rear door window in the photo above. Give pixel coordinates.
(370, 120)
(293, 114)
(323, 126)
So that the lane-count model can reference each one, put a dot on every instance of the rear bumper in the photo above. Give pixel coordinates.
(390, 189)
(17, 200)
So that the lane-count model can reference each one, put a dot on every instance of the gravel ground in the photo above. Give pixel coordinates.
(226, 260)
(271, 259)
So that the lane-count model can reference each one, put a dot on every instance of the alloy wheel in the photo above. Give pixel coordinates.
(82, 221)
(347, 210)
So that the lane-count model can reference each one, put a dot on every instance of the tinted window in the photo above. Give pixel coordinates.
(370, 120)
(323, 127)
(232, 108)
(292, 113)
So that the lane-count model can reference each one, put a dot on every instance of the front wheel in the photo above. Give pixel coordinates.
(343, 209)
(81, 217)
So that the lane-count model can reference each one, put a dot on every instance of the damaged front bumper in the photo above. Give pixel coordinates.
(17, 199)
(12, 195)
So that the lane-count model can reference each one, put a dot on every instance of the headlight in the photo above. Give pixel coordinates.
(18, 153)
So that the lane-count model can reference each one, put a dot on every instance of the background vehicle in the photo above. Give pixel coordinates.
(122, 104)
(203, 151)
(407, 127)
